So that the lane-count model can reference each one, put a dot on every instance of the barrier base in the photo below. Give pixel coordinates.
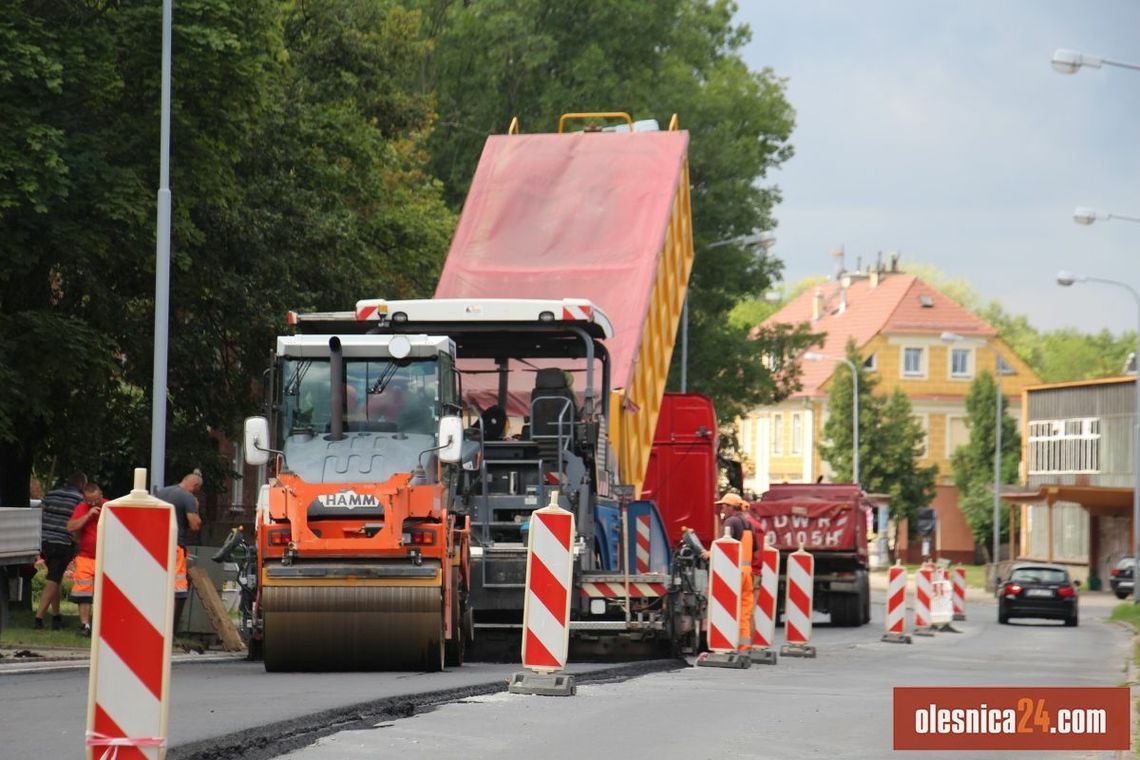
(959, 615)
(946, 628)
(897, 638)
(923, 631)
(797, 650)
(762, 656)
(737, 660)
(543, 684)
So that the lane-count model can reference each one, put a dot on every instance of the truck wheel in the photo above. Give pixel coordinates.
(3, 598)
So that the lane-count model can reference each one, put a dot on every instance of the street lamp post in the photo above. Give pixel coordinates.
(763, 239)
(812, 356)
(949, 337)
(162, 271)
(1070, 62)
(1086, 216)
(1065, 279)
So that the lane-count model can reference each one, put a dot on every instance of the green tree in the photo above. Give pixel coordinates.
(973, 463)
(299, 179)
(890, 440)
(536, 59)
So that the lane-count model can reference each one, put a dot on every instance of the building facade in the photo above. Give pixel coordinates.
(898, 322)
(1078, 463)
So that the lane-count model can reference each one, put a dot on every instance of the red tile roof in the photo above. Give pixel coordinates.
(894, 306)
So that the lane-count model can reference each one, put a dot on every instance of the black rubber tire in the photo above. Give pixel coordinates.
(1119, 594)
(846, 610)
(865, 593)
(1003, 616)
(1072, 622)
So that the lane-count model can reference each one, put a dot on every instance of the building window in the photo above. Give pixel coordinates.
(960, 362)
(1070, 532)
(914, 362)
(1069, 446)
(777, 434)
(924, 442)
(797, 433)
(1003, 367)
(871, 363)
(957, 433)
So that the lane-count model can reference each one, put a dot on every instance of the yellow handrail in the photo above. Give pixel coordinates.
(599, 115)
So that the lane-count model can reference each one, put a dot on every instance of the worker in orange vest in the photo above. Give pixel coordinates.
(742, 528)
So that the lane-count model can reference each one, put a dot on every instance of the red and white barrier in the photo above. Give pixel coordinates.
(128, 694)
(923, 590)
(797, 605)
(959, 578)
(724, 595)
(764, 613)
(896, 606)
(941, 601)
(546, 606)
(644, 543)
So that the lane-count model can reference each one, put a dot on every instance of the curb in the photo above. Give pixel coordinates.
(42, 664)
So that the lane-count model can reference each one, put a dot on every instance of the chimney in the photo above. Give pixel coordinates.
(817, 304)
(843, 295)
(894, 261)
(879, 262)
(875, 279)
(840, 267)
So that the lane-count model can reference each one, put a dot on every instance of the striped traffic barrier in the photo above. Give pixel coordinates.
(128, 694)
(959, 578)
(641, 564)
(941, 601)
(546, 606)
(896, 605)
(797, 605)
(764, 613)
(724, 606)
(923, 589)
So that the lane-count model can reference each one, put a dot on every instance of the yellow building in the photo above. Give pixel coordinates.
(899, 323)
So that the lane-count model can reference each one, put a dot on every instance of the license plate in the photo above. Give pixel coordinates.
(1039, 592)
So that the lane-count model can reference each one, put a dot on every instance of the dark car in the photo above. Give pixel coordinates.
(1120, 578)
(1038, 591)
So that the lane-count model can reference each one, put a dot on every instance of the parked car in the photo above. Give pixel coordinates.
(1120, 577)
(1038, 591)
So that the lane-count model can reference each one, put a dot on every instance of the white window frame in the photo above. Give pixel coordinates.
(871, 363)
(921, 373)
(777, 434)
(1064, 447)
(1003, 368)
(950, 432)
(967, 373)
(797, 433)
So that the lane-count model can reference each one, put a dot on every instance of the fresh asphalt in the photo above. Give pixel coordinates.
(837, 705)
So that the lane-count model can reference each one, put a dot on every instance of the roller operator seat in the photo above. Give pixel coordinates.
(551, 400)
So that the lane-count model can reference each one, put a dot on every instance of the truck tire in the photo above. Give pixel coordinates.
(865, 595)
(846, 610)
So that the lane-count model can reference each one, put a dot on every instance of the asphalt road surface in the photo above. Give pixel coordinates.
(837, 705)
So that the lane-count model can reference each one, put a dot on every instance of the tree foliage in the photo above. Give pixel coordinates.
(890, 440)
(536, 59)
(973, 463)
(298, 173)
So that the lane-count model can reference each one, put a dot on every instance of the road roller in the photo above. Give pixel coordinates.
(362, 553)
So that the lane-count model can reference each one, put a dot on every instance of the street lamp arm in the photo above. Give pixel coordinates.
(1125, 218)
(1119, 284)
(1121, 64)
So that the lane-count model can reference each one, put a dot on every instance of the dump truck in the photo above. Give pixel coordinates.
(19, 548)
(362, 561)
(829, 520)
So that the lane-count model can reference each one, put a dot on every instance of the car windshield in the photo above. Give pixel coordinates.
(1039, 575)
(1125, 563)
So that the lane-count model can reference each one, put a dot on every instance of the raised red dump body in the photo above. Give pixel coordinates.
(830, 521)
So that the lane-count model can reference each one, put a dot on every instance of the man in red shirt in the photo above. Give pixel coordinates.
(84, 524)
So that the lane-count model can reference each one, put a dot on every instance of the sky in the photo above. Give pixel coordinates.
(940, 131)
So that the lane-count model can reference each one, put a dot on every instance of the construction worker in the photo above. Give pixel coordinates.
(84, 524)
(742, 528)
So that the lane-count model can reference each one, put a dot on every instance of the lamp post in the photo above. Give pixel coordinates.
(1066, 279)
(763, 239)
(162, 271)
(1070, 61)
(1086, 216)
(949, 337)
(812, 356)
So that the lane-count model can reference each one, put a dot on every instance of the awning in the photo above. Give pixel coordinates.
(1098, 500)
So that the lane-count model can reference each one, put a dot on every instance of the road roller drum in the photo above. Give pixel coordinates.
(353, 626)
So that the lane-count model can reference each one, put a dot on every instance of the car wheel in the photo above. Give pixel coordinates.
(1003, 616)
(1121, 594)
(1071, 622)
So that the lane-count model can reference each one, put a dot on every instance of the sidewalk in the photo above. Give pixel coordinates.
(18, 659)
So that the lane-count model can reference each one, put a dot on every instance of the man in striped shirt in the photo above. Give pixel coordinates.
(57, 548)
